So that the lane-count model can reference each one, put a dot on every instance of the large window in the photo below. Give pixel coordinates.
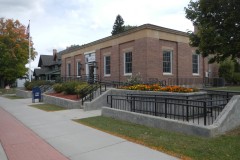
(79, 65)
(167, 62)
(128, 63)
(68, 69)
(107, 68)
(195, 64)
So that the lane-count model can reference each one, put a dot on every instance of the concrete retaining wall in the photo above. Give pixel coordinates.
(23, 93)
(227, 120)
(69, 104)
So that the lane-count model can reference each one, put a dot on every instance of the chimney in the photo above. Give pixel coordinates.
(54, 52)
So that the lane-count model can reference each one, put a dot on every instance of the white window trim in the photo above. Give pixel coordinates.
(197, 74)
(124, 66)
(106, 75)
(171, 60)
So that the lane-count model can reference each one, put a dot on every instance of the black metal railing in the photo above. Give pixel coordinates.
(201, 110)
(90, 92)
(84, 77)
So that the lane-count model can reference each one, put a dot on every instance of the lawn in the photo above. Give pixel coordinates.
(227, 88)
(47, 107)
(12, 97)
(7, 91)
(176, 144)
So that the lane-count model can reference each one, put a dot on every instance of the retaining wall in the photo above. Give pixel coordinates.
(23, 93)
(69, 104)
(226, 121)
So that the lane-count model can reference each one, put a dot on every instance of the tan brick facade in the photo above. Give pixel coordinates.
(147, 44)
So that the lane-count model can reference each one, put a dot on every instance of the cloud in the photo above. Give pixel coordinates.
(61, 23)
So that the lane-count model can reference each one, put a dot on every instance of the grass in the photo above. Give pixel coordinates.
(227, 88)
(7, 91)
(12, 97)
(47, 107)
(176, 144)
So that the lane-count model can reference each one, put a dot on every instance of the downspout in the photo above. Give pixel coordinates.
(177, 63)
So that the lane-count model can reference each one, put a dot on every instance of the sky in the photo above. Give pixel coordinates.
(57, 24)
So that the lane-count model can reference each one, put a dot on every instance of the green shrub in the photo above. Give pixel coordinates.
(69, 87)
(236, 78)
(134, 80)
(58, 88)
(29, 85)
(79, 88)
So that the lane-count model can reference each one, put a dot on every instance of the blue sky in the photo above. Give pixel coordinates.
(56, 24)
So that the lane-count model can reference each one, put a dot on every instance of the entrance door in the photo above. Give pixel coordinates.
(91, 74)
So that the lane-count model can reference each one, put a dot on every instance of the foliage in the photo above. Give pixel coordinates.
(226, 70)
(236, 78)
(69, 87)
(118, 26)
(29, 85)
(58, 87)
(156, 87)
(179, 145)
(127, 27)
(218, 28)
(134, 80)
(14, 50)
(80, 88)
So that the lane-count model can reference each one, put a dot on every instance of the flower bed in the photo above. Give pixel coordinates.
(156, 87)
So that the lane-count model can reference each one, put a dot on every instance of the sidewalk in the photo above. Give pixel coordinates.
(63, 137)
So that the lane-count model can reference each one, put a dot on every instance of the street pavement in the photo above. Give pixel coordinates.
(27, 133)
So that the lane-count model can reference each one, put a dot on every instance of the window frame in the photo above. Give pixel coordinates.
(198, 65)
(171, 62)
(79, 69)
(105, 66)
(125, 64)
(68, 69)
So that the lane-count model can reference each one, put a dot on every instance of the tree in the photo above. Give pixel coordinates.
(127, 27)
(14, 50)
(118, 26)
(218, 28)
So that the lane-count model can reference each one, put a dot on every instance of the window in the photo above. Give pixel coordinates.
(69, 69)
(128, 63)
(195, 64)
(79, 65)
(167, 62)
(107, 68)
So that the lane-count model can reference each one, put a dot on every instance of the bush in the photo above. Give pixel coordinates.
(134, 80)
(79, 88)
(69, 87)
(29, 85)
(226, 70)
(58, 88)
(236, 78)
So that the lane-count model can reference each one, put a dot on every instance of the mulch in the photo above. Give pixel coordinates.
(66, 96)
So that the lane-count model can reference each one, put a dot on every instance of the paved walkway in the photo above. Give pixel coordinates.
(27, 133)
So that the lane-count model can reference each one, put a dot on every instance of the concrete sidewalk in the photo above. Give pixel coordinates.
(73, 140)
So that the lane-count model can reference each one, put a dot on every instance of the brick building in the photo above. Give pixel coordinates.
(148, 50)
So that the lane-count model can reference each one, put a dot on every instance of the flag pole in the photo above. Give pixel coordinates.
(29, 54)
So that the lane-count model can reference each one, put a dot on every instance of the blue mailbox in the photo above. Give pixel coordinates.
(36, 94)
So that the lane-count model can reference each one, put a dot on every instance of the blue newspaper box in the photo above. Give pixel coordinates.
(36, 94)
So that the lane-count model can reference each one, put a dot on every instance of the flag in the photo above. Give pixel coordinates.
(28, 30)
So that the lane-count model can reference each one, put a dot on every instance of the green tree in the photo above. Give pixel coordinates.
(226, 69)
(218, 28)
(127, 27)
(118, 26)
(13, 50)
